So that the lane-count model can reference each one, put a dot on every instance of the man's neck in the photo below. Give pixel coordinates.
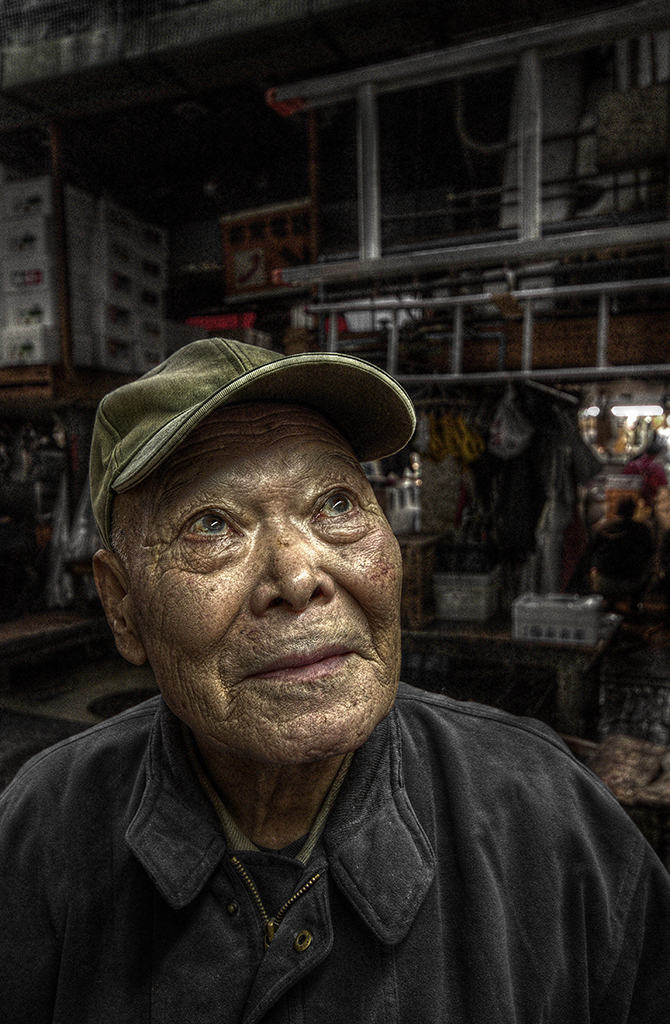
(273, 805)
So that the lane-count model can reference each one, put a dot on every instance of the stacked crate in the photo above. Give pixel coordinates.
(117, 268)
(29, 305)
(129, 280)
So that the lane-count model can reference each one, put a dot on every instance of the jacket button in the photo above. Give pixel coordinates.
(232, 908)
(303, 941)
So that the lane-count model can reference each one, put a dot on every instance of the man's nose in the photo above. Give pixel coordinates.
(290, 574)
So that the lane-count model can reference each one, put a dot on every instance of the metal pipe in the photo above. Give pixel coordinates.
(529, 154)
(393, 345)
(506, 252)
(332, 334)
(60, 231)
(481, 298)
(457, 341)
(527, 337)
(602, 338)
(313, 171)
(578, 373)
(369, 189)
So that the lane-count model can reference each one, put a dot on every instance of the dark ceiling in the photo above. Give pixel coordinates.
(186, 133)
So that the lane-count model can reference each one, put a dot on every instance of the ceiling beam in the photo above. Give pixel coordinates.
(482, 55)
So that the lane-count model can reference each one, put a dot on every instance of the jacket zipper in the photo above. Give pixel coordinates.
(270, 924)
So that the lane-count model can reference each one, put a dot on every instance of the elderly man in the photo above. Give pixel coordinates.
(282, 835)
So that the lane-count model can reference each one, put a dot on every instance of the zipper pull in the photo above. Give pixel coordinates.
(269, 927)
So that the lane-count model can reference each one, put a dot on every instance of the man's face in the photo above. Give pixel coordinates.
(264, 584)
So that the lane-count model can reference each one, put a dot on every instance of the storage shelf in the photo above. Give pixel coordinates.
(43, 388)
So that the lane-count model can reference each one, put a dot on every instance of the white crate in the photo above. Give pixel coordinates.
(557, 618)
(115, 319)
(81, 208)
(85, 351)
(27, 238)
(39, 343)
(27, 197)
(153, 272)
(153, 240)
(148, 356)
(79, 256)
(26, 309)
(41, 308)
(113, 217)
(150, 299)
(28, 277)
(115, 353)
(466, 596)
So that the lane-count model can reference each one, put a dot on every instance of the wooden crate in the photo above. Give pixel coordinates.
(417, 608)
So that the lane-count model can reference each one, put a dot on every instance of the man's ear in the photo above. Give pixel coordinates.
(112, 587)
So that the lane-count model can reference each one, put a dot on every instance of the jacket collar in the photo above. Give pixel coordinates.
(378, 854)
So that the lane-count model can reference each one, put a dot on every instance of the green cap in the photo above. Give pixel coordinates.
(140, 424)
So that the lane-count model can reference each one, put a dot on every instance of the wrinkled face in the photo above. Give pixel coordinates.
(264, 583)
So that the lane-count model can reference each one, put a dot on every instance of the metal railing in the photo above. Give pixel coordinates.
(524, 299)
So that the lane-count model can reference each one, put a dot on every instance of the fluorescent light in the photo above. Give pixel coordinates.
(632, 411)
(592, 410)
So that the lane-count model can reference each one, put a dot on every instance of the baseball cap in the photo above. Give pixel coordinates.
(140, 424)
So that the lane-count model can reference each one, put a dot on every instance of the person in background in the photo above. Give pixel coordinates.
(622, 557)
(287, 833)
(649, 468)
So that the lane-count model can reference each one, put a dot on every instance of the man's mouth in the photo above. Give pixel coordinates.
(305, 667)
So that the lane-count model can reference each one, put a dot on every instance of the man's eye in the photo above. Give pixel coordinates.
(210, 525)
(337, 505)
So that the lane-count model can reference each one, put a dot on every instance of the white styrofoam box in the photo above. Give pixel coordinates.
(466, 596)
(27, 278)
(150, 347)
(557, 618)
(27, 238)
(81, 207)
(84, 349)
(114, 318)
(116, 353)
(153, 240)
(150, 299)
(81, 315)
(27, 197)
(114, 247)
(120, 220)
(30, 196)
(153, 272)
(22, 309)
(79, 258)
(41, 307)
(39, 343)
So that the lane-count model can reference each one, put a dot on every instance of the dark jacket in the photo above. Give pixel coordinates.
(623, 549)
(471, 872)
